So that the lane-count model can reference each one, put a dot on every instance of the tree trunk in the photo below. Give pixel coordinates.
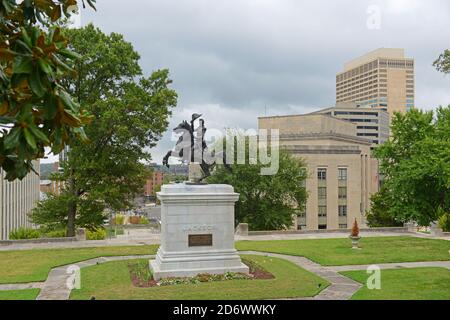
(72, 208)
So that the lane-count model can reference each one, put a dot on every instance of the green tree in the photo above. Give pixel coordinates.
(130, 112)
(442, 63)
(379, 215)
(35, 110)
(416, 165)
(266, 202)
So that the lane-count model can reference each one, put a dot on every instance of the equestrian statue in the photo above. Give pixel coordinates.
(191, 147)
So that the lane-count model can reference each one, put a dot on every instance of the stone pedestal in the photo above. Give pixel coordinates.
(241, 229)
(197, 231)
(435, 230)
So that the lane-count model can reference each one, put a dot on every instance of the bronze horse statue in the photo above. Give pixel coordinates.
(191, 144)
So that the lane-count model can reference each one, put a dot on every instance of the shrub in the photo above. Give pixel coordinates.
(134, 219)
(24, 233)
(55, 234)
(355, 229)
(119, 219)
(379, 215)
(444, 222)
(98, 234)
(144, 220)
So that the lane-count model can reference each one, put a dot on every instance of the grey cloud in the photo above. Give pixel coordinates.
(234, 59)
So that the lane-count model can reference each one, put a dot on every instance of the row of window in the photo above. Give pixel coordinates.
(322, 174)
(322, 192)
(359, 113)
(324, 226)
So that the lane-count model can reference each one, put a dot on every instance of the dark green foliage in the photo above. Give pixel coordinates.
(35, 110)
(129, 114)
(416, 166)
(96, 234)
(266, 202)
(24, 233)
(442, 63)
(379, 215)
(444, 222)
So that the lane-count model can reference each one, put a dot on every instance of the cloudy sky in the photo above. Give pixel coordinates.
(235, 60)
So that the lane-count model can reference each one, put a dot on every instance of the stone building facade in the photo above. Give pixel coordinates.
(341, 172)
(383, 78)
(371, 123)
(17, 199)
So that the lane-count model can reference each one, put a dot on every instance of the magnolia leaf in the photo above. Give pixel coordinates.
(38, 133)
(70, 54)
(56, 13)
(23, 64)
(45, 67)
(29, 138)
(4, 107)
(26, 37)
(12, 138)
(67, 101)
(36, 83)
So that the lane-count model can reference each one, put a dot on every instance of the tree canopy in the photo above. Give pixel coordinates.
(35, 109)
(266, 202)
(416, 165)
(379, 215)
(130, 113)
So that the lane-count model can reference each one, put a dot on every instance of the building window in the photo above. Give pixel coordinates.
(322, 226)
(343, 226)
(342, 173)
(322, 211)
(322, 192)
(322, 174)
(342, 211)
(342, 193)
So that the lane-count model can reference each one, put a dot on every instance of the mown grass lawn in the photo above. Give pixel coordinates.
(334, 252)
(112, 281)
(34, 265)
(28, 294)
(405, 284)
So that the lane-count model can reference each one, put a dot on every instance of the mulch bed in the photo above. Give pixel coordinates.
(137, 282)
(256, 273)
(261, 274)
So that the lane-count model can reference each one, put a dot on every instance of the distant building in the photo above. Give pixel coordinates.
(370, 123)
(341, 173)
(383, 78)
(17, 199)
(153, 182)
(50, 186)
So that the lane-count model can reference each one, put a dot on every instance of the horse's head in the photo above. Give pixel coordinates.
(183, 126)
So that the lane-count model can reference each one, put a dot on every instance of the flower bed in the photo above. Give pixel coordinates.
(141, 275)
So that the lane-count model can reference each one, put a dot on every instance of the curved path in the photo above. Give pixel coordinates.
(340, 288)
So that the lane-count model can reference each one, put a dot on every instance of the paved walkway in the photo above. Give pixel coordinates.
(22, 286)
(55, 287)
(340, 288)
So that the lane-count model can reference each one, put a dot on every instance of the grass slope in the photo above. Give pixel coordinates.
(112, 281)
(28, 294)
(33, 265)
(405, 284)
(374, 250)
